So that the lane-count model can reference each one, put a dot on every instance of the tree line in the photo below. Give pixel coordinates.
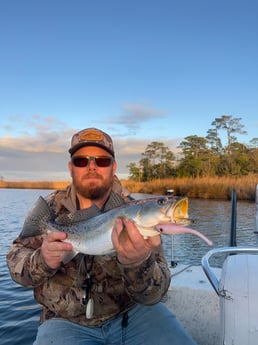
(200, 156)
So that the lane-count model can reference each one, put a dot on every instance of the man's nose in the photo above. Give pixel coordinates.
(92, 164)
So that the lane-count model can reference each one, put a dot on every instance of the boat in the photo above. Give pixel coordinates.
(219, 306)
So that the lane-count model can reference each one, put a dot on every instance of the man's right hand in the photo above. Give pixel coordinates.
(53, 248)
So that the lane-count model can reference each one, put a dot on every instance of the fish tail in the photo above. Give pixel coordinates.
(33, 222)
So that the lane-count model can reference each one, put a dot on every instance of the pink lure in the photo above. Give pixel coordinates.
(174, 229)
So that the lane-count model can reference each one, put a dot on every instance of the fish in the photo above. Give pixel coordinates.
(92, 236)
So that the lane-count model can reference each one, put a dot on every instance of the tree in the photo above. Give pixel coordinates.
(254, 143)
(200, 156)
(195, 152)
(157, 162)
(193, 146)
(213, 138)
(231, 125)
(134, 172)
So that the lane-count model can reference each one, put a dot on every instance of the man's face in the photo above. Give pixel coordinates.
(92, 181)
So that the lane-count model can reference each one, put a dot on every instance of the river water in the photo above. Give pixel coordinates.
(19, 313)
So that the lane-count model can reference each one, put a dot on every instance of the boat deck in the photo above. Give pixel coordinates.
(193, 300)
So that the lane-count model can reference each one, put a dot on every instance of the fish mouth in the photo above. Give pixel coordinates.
(179, 212)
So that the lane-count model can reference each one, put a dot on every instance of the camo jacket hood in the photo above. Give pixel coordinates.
(115, 287)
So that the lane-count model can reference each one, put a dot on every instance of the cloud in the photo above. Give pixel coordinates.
(134, 114)
(18, 164)
(37, 148)
(36, 134)
(34, 148)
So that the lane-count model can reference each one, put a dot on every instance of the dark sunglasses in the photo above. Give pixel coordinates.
(100, 161)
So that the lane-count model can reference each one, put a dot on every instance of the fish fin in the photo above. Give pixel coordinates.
(68, 256)
(32, 224)
(77, 216)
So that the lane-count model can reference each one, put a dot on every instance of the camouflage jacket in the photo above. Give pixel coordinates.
(115, 287)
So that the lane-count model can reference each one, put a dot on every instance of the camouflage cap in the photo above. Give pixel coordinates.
(91, 137)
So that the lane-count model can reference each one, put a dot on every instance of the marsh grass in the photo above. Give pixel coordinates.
(34, 184)
(203, 188)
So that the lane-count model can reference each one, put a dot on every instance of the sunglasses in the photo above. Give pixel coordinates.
(100, 161)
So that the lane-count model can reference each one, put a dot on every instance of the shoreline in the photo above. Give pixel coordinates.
(216, 188)
(34, 184)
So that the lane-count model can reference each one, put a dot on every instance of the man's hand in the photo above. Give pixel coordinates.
(52, 248)
(130, 245)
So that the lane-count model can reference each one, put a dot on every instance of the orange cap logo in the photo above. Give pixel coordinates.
(91, 135)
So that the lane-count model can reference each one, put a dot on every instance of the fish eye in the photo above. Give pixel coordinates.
(161, 201)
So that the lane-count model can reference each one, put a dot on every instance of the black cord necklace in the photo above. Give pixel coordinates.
(86, 285)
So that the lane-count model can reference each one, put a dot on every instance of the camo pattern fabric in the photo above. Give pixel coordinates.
(115, 287)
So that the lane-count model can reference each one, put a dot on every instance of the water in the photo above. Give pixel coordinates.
(213, 219)
(19, 313)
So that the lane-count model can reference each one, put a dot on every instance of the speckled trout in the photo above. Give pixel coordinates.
(92, 236)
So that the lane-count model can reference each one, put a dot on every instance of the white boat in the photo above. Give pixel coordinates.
(219, 306)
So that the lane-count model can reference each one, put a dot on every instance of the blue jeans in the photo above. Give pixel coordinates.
(146, 325)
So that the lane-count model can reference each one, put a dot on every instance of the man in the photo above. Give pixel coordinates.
(107, 299)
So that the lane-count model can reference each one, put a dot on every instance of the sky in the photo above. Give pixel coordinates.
(141, 70)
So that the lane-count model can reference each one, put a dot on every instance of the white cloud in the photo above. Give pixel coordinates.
(135, 114)
(36, 134)
(39, 146)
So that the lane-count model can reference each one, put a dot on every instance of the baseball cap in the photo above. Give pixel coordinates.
(91, 137)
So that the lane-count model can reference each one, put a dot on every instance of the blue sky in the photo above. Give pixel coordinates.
(142, 70)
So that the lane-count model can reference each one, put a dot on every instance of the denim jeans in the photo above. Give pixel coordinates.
(146, 325)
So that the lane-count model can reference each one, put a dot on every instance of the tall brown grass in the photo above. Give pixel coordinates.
(204, 188)
(34, 184)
